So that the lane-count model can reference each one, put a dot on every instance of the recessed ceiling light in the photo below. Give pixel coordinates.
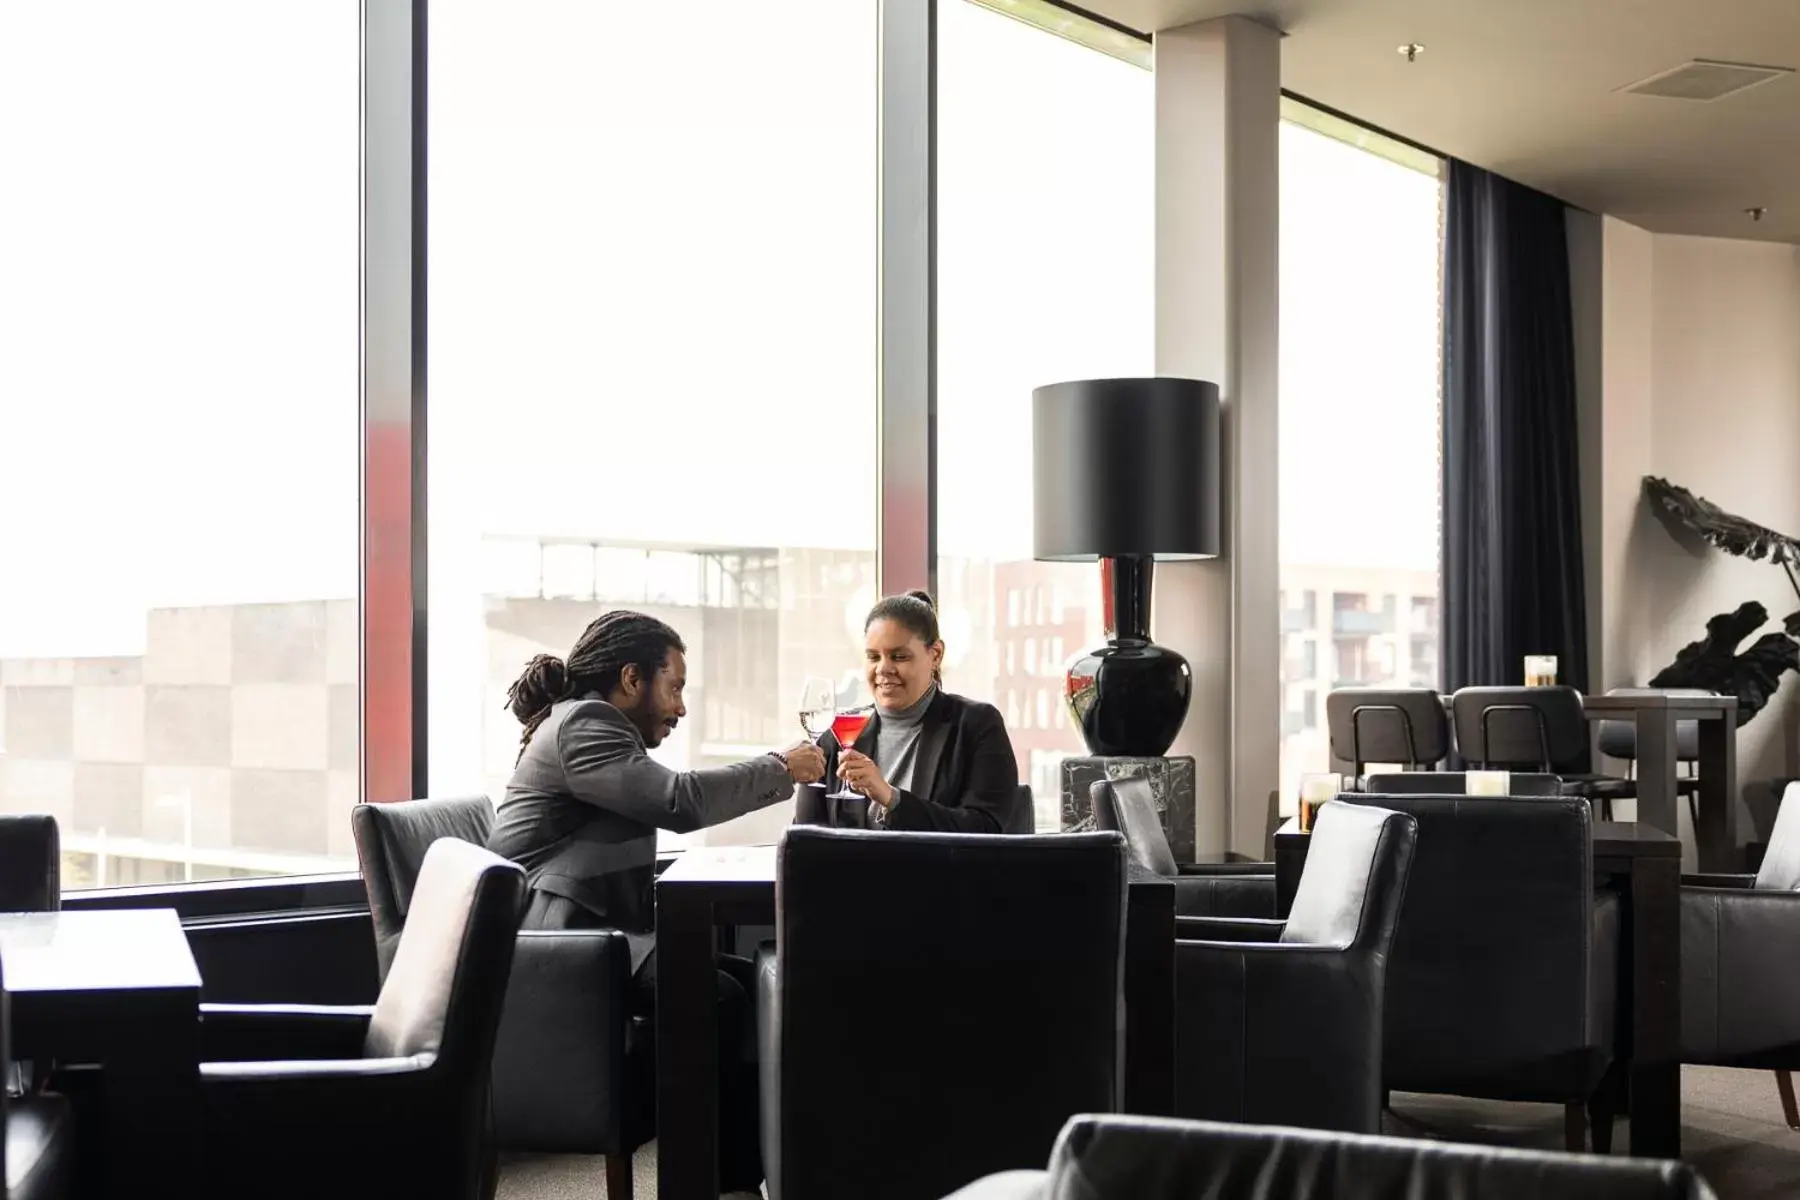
(1411, 50)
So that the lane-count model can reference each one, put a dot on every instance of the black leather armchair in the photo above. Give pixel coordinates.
(390, 1101)
(1503, 979)
(1281, 1022)
(1451, 783)
(1146, 1158)
(568, 1059)
(30, 881)
(37, 1154)
(1541, 729)
(1403, 726)
(1740, 962)
(1201, 889)
(940, 1005)
(30, 864)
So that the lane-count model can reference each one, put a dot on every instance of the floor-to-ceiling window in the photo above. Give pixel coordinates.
(652, 359)
(1359, 421)
(1045, 272)
(653, 372)
(179, 434)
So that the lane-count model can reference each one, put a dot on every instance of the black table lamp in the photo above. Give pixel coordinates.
(1126, 472)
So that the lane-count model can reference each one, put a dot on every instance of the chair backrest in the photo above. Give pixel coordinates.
(1536, 728)
(1354, 879)
(1450, 783)
(1116, 1158)
(1128, 806)
(1023, 816)
(30, 864)
(1491, 973)
(1387, 725)
(1780, 870)
(944, 1002)
(441, 999)
(391, 843)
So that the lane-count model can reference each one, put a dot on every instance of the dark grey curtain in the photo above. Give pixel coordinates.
(1512, 575)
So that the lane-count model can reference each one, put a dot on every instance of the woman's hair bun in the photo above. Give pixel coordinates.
(923, 597)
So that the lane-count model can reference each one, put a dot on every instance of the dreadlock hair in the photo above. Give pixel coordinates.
(915, 610)
(610, 643)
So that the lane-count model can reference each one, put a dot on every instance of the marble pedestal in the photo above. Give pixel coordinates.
(1171, 785)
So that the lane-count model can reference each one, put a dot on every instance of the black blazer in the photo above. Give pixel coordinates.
(965, 755)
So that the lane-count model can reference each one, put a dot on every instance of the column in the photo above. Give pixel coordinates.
(1218, 113)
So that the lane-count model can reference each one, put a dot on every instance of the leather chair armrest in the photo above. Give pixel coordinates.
(258, 1033)
(1228, 929)
(1252, 1018)
(1226, 868)
(342, 1071)
(1231, 895)
(1007, 1185)
(561, 1055)
(1718, 881)
(1740, 976)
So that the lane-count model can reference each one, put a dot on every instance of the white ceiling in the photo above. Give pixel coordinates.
(1527, 88)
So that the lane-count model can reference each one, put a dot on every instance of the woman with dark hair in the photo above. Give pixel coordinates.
(929, 759)
(583, 807)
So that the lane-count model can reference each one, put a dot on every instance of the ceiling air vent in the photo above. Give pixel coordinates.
(1703, 79)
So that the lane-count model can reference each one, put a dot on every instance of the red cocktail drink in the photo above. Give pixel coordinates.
(846, 727)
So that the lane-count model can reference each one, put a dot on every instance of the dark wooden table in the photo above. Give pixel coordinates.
(1644, 864)
(1655, 714)
(118, 988)
(707, 887)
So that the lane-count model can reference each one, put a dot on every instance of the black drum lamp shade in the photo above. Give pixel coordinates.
(1125, 468)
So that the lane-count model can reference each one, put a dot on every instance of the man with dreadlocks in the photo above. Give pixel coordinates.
(583, 807)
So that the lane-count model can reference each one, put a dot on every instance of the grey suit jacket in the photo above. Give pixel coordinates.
(585, 801)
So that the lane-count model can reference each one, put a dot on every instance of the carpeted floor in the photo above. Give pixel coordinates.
(1731, 1130)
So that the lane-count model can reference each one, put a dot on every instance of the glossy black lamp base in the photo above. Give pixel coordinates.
(1130, 696)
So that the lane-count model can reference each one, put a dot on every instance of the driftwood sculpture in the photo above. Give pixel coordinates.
(1714, 662)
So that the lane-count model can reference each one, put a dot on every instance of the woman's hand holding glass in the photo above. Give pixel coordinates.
(860, 772)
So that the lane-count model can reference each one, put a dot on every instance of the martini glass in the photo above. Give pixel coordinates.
(846, 727)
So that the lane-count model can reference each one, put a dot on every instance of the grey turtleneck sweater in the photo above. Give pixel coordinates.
(897, 746)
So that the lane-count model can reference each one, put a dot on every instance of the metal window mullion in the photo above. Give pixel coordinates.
(392, 593)
(907, 304)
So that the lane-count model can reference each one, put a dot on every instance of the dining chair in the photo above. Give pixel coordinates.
(1541, 729)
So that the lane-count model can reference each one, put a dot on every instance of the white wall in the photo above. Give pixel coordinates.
(1700, 384)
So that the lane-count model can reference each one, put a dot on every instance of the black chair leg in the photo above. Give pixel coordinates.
(1574, 1128)
(1602, 1107)
(1784, 1083)
(618, 1177)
